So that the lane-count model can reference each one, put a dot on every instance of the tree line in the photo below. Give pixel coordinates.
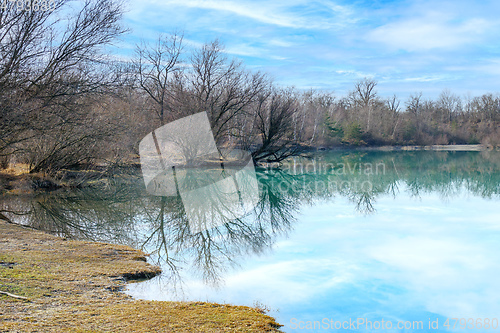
(364, 118)
(64, 102)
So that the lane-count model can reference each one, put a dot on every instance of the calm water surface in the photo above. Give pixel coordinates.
(400, 236)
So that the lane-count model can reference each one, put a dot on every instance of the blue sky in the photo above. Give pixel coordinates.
(407, 46)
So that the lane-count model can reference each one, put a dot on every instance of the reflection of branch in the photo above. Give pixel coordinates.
(396, 169)
(364, 203)
(393, 188)
(161, 231)
(92, 213)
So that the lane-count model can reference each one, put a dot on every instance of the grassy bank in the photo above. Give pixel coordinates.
(74, 286)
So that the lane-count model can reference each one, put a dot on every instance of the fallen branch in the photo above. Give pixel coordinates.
(12, 295)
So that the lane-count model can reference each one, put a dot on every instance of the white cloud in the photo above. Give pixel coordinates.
(423, 79)
(321, 44)
(280, 43)
(355, 74)
(429, 33)
(279, 13)
(492, 66)
(488, 66)
(246, 50)
(258, 12)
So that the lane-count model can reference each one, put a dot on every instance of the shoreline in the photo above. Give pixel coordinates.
(436, 148)
(410, 148)
(72, 285)
(14, 181)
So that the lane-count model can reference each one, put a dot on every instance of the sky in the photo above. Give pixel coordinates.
(408, 47)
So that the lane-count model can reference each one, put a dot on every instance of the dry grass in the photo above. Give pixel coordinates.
(73, 286)
(16, 169)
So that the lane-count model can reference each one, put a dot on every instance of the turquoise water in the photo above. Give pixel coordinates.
(422, 244)
(404, 237)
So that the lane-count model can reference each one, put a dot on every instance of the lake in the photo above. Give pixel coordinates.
(372, 238)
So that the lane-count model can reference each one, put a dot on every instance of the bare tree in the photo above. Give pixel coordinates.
(363, 97)
(364, 92)
(393, 106)
(275, 126)
(449, 105)
(156, 67)
(47, 73)
(223, 88)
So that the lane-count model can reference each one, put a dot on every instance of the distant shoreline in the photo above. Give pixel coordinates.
(415, 148)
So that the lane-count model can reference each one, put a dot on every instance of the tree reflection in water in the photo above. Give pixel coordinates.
(121, 211)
